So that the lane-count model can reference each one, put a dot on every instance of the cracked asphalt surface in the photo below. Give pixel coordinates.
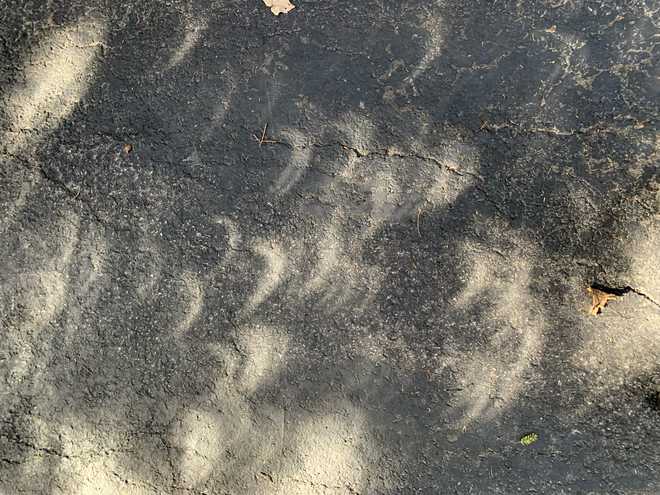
(343, 250)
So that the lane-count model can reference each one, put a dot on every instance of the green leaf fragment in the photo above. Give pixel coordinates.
(529, 438)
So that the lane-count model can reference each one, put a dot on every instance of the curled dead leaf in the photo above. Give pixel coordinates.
(278, 7)
(127, 148)
(552, 29)
(599, 299)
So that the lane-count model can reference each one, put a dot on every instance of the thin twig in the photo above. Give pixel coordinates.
(263, 139)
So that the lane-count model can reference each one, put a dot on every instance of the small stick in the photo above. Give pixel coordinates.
(263, 139)
(419, 214)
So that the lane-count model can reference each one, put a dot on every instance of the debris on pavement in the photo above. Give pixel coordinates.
(599, 299)
(278, 7)
(529, 438)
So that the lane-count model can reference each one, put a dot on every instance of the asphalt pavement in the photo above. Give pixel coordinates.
(341, 250)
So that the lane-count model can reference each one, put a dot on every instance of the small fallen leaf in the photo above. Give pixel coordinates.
(615, 20)
(278, 7)
(552, 29)
(529, 439)
(599, 299)
(127, 148)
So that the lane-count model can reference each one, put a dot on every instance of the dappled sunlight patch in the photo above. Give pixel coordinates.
(355, 131)
(147, 279)
(462, 159)
(201, 437)
(99, 457)
(570, 44)
(265, 350)
(329, 452)
(92, 255)
(194, 30)
(338, 275)
(434, 34)
(477, 279)
(330, 256)
(222, 106)
(251, 360)
(42, 295)
(34, 300)
(617, 348)
(56, 78)
(12, 206)
(192, 293)
(299, 161)
(444, 190)
(92, 461)
(644, 253)
(385, 194)
(433, 26)
(88, 276)
(275, 262)
(278, 312)
(513, 333)
(212, 445)
(96, 476)
(216, 438)
(398, 191)
(29, 450)
(370, 345)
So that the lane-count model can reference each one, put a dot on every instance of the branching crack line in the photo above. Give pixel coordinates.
(444, 166)
(194, 491)
(555, 131)
(396, 154)
(620, 291)
(43, 450)
(141, 484)
(349, 488)
(645, 296)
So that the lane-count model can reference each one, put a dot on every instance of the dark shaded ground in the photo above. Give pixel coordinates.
(382, 300)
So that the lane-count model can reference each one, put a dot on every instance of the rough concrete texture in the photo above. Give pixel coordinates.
(381, 294)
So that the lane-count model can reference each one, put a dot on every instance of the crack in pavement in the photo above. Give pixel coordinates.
(645, 296)
(390, 153)
(441, 164)
(622, 291)
(594, 129)
(141, 484)
(44, 450)
(348, 488)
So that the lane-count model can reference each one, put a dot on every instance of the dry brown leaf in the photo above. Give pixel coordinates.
(278, 7)
(552, 29)
(615, 20)
(599, 299)
(127, 148)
